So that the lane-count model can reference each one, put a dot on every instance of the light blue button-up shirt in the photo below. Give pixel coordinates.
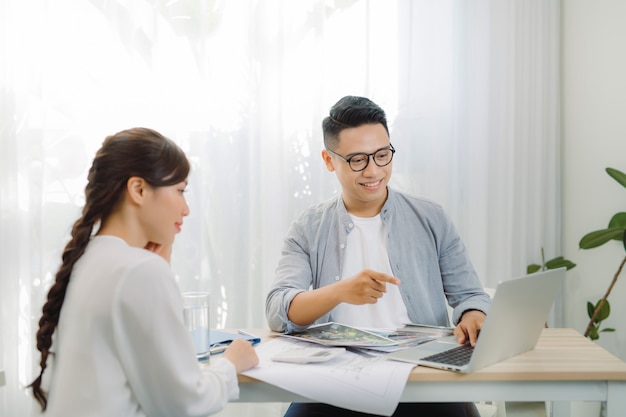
(425, 253)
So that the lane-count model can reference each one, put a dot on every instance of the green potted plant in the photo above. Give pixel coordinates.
(555, 263)
(616, 231)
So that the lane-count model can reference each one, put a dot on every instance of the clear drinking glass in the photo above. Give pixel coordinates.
(196, 317)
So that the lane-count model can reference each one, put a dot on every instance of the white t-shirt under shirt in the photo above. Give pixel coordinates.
(366, 248)
(121, 346)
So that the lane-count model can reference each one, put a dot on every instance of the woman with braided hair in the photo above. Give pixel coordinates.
(120, 346)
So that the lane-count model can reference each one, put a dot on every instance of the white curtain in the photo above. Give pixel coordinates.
(470, 88)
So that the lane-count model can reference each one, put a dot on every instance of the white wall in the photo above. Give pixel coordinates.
(593, 138)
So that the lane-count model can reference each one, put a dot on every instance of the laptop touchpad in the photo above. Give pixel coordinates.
(433, 347)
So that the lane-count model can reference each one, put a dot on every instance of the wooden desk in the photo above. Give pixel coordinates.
(564, 367)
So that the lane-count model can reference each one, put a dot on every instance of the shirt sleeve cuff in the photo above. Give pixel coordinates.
(226, 370)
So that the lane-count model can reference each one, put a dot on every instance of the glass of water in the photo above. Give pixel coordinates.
(196, 317)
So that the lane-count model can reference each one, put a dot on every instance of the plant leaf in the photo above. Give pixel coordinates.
(608, 329)
(618, 221)
(619, 176)
(593, 333)
(599, 237)
(605, 311)
(590, 309)
(560, 262)
(532, 268)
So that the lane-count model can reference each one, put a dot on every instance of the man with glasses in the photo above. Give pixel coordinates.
(373, 257)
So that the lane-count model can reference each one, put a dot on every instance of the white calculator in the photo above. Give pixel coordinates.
(308, 354)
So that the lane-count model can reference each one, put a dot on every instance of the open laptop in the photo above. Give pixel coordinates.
(518, 313)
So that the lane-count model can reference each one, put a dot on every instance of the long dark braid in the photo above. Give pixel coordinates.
(134, 152)
(81, 232)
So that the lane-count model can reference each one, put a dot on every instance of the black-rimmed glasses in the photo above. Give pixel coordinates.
(360, 161)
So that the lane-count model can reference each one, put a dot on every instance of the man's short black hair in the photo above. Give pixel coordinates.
(350, 111)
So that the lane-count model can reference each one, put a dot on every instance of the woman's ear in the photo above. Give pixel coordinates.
(328, 160)
(136, 189)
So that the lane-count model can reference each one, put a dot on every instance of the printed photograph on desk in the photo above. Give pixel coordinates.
(337, 334)
(427, 330)
(412, 335)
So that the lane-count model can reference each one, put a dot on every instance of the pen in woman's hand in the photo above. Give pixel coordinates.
(245, 333)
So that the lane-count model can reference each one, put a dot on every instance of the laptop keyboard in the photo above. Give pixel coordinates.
(458, 356)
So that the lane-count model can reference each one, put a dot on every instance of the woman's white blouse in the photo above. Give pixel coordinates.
(121, 348)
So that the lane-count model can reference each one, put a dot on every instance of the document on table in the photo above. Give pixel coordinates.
(357, 381)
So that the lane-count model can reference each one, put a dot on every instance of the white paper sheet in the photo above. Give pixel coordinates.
(354, 381)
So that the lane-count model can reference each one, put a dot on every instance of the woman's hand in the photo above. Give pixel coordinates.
(165, 251)
(241, 353)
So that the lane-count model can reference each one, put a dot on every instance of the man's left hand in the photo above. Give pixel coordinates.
(469, 326)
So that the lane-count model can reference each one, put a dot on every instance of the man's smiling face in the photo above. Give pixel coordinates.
(364, 192)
